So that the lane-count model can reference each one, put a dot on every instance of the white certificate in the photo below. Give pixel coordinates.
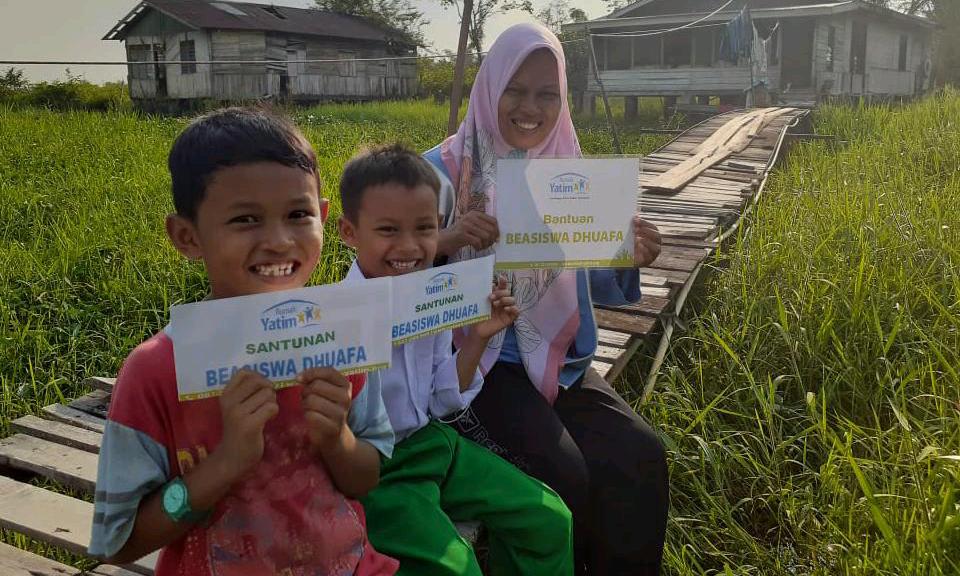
(575, 213)
(443, 298)
(280, 334)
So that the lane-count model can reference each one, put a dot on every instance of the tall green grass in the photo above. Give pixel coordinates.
(812, 409)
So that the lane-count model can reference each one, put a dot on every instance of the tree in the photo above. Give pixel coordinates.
(482, 11)
(555, 14)
(614, 5)
(12, 82)
(399, 15)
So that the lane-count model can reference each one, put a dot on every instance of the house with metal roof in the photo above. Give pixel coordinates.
(235, 51)
(794, 50)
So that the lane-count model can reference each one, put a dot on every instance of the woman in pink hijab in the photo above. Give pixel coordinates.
(542, 407)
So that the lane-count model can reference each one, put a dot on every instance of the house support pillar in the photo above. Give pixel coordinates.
(669, 106)
(631, 107)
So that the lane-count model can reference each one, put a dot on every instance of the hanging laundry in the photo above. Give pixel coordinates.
(736, 41)
(758, 60)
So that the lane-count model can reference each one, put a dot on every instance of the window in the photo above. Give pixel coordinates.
(831, 47)
(188, 57)
(139, 53)
(904, 40)
(618, 53)
(646, 51)
(349, 66)
(678, 49)
(703, 47)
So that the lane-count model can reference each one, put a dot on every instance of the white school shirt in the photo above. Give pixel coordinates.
(421, 383)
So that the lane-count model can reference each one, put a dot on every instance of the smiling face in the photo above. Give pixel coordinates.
(395, 231)
(259, 228)
(531, 102)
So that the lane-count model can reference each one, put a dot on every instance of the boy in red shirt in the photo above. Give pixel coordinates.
(257, 481)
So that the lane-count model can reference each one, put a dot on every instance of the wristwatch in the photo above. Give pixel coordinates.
(176, 502)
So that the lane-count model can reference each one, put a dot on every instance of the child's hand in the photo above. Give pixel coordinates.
(646, 242)
(326, 403)
(246, 405)
(503, 311)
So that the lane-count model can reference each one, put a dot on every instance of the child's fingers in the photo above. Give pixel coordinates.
(326, 374)
(243, 385)
(326, 389)
(263, 413)
(324, 406)
(317, 420)
(258, 400)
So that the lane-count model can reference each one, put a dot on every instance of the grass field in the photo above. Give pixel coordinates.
(811, 409)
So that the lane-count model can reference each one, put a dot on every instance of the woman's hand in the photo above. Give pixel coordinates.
(474, 229)
(646, 242)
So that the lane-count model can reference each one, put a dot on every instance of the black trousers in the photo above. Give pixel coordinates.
(605, 462)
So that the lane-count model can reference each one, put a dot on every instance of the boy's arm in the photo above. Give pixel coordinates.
(503, 311)
(348, 435)
(153, 529)
(247, 404)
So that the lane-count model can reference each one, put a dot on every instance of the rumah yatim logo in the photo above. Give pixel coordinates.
(290, 314)
(569, 185)
(442, 283)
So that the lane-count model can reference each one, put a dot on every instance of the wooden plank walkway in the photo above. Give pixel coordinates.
(692, 222)
(61, 444)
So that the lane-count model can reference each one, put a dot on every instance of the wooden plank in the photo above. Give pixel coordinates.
(59, 432)
(732, 138)
(100, 383)
(632, 323)
(53, 518)
(46, 516)
(674, 277)
(96, 403)
(650, 305)
(624, 360)
(17, 562)
(608, 353)
(668, 262)
(613, 338)
(602, 368)
(74, 417)
(68, 466)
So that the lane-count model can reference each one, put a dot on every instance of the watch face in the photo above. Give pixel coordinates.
(174, 497)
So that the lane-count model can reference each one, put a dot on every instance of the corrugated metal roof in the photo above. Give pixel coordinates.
(262, 17)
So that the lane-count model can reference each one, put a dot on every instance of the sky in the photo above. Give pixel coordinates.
(72, 30)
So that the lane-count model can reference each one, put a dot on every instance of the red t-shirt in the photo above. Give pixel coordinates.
(285, 517)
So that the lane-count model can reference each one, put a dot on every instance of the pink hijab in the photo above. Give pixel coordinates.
(549, 317)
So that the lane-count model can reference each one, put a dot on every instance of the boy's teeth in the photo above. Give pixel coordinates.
(275, 269)
(403, 265)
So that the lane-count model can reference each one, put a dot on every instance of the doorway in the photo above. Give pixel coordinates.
(858, 58)
(796, 54)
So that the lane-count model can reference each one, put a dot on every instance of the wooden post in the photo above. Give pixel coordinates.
(631, 107)
(603, 94)
(456, 94)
